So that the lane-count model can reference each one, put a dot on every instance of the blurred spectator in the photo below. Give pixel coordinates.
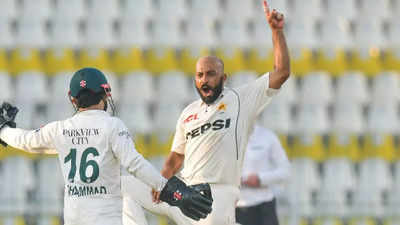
(265, 165)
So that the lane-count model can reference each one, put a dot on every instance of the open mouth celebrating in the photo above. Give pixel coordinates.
(206, 91)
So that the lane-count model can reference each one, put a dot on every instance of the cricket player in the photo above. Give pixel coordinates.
(212, 133)
(91, 147)
(265, 166)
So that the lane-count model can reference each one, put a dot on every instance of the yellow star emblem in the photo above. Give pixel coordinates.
(222, 106)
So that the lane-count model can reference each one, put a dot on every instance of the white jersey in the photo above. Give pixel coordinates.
(266, 158)
(213, 137)
(92, 146)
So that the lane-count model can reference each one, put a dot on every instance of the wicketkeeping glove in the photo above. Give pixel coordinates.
(191, 202)
(204, 189)
(7, 117)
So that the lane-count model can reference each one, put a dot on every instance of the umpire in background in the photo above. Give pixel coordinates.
(265, 165)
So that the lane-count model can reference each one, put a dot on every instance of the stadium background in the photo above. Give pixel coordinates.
(337, 116)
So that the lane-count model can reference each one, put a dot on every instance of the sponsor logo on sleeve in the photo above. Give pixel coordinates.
(124, 133)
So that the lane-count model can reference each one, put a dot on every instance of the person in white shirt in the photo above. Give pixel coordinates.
(265, 165)
(92, 146)
(212, 133)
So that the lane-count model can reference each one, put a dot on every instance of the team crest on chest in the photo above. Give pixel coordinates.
(221, 107)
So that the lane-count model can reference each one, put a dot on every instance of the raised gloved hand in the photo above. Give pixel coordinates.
(191, 202)
(7, 117)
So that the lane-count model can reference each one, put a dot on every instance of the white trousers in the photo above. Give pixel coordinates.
(136, 194)
(89, 211)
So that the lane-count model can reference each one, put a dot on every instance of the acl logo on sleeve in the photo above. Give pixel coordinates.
(216, 125)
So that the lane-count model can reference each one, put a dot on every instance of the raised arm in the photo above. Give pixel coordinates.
(32, 141)
(281, 54)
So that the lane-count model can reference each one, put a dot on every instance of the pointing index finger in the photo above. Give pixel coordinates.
(266, 7)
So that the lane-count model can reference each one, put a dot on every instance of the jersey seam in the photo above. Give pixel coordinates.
(236, 125)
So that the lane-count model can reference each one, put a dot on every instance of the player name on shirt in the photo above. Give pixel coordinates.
(80, 191)
(80, 136)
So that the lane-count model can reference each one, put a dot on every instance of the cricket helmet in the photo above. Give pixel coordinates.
(90, 79)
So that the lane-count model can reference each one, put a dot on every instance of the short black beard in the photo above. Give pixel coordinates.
(217, 91)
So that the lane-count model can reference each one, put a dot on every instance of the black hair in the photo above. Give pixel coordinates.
(87, 98)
